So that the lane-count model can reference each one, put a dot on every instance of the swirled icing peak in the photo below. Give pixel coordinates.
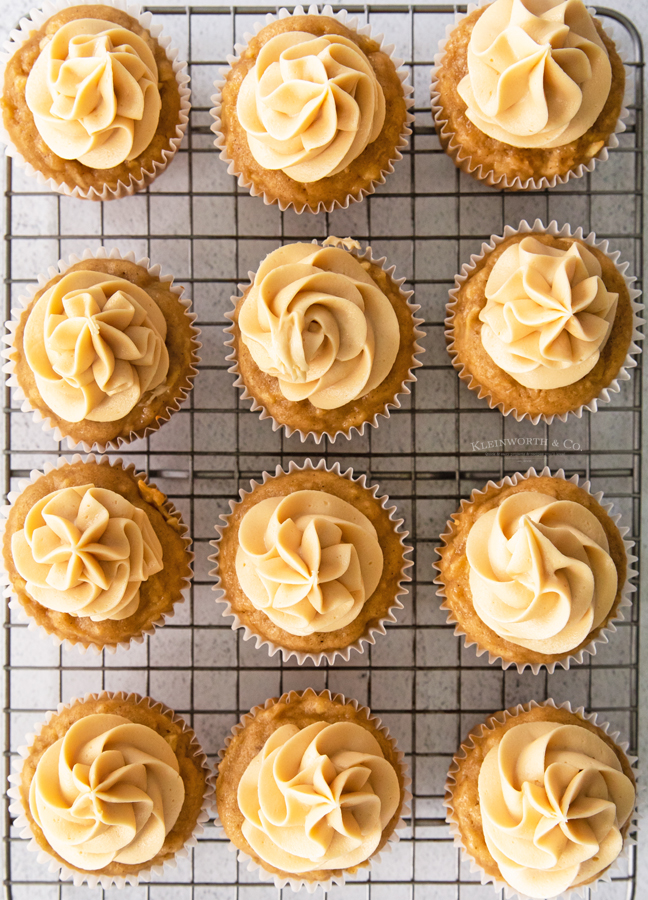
(309, 560)
(94, 93)
(310, 105)
(318, 797)
(109, 791)
(553, 801)
(319, 323)
(85, 551)
(541, 575)
(96, 345)
(548, 313)
(538, 72)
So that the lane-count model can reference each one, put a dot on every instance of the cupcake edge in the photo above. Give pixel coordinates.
(296, 883)
(36, 19)
(48, 424)
(369, 636)
(351, 23)
(90, 878)
(627, 589)
(395, 403)
(490, 724)
(16, 605)
(552, 229)
(478, 170)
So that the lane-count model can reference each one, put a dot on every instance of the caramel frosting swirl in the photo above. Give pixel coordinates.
(548, 313)
(315, 320)
(85, 551)
(94, 95)
(109, 791)
(541, 574)
(318, 797)
(310, 105)
(96, 345)
(538, 72)
(553, 801)
(309, 561)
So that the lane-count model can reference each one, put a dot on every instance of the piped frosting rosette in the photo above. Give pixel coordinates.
(108, 791)
(548, 315)
(94, 96)
(96, 346)
(353, 793)
(541, 574)
(557, 804)
(309, 561)
(310, 106)
(538, 77)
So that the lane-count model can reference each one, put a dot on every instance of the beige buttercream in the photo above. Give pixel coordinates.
(310, 105)
(318, 322)
(548, 313)
(96, 345)
(541, 575)
(309, 560)
(109, 791)
(85, 551)
(538, 72)
(318, 797)
(553, 801)
(94, 93)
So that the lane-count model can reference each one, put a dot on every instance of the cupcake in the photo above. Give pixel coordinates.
(312, 112)
(94, 101)
(527, 94)
(543, 322)
(541, 800)
(535, 570)
(311, 788)
(134, 346)
(327, 541)
(323, 339)
(94, 554)
(112, 788)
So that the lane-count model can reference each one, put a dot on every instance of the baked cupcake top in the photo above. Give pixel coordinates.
(539, 73)
(109, 791)
(554, 800)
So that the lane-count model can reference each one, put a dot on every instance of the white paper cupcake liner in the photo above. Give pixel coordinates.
(490, 724)
(351, 23)
(296, 883)
(35, 21)
(369, 636)
(50, 424)
(394, 403)
(482, 172)
(91, 878)
(67, 643)
(553, 229)
(627, 590)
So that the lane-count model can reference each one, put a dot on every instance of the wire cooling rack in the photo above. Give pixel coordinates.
(427, 220)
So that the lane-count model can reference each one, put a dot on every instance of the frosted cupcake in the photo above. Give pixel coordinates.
(528, 93)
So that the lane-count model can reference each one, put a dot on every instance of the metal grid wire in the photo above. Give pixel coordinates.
(427, 219)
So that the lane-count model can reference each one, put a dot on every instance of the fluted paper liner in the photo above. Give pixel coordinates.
(36, 19)
(395, 403)
(82, 646)
(296, 883)
(91, 878)
(610, 627)
(377, 628)
(351, 23)
(50, 424)
(480, 171)
(491, 723)
(553, 229)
